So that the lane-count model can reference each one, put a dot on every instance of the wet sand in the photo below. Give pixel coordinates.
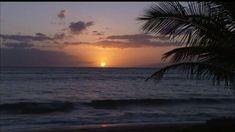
(213, 125)
(129, 127)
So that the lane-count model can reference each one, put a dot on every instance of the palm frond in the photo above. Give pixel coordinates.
(185, 54)
(218, 55)
(196, 24)
(199, 71)
(206, 32)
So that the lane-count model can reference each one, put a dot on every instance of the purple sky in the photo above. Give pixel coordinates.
(76, 34)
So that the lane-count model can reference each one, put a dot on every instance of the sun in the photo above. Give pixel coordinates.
(102, 64)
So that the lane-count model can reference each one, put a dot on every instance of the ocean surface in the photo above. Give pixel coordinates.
(50, 97)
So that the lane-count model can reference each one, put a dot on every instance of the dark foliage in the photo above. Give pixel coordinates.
(206, 33)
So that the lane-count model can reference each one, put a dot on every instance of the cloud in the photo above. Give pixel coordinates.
(59, 40)
(30, 38)
(107, 28)
(62, 14)
(97, 33)
(127, 41)
(132, 37)
(59, 36)
(115, 44)
(90, 23)
(138, 37)
(78, 27)
(26, 38)
(36, 57)
(142, 40)
(18, 45)
(76, 43)
(39, 40)
(40, 35)
(120, 44)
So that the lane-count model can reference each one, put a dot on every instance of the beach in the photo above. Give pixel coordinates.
(128, 127)
(215, 125)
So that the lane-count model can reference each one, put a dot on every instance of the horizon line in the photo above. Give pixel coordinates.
(76, 67)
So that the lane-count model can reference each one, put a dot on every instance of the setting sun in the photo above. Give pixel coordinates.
(102, 64)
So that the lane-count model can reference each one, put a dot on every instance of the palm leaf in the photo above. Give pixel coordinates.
(200, 23)
(199, 71)
(218, 55)
(206, 32)
(185, 54)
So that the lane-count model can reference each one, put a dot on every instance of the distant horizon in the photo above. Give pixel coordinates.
(159, 65)
(73, 67)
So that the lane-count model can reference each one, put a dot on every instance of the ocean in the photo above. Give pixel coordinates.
(35, 97)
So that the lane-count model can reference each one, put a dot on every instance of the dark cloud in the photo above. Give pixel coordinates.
(132, 37)
(39, 39)
(40, 35)
(59, 36)
(133, 41)
(121, 44)
(114, 44)
(29, 41)
(98, 33)
(138, 37)
(76, 43)
(78, 27)
(57, 41)
(36, 57)
(62, 14)
(90, 23)
(18, 45)
(127, 41)
(26, 38)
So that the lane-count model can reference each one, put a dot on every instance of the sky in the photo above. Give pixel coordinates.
(78, 34)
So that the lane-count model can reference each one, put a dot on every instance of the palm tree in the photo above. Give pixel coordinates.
(206, 34)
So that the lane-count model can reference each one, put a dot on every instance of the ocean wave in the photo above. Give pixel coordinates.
(58, 106)
(110, 104)
(36, 107)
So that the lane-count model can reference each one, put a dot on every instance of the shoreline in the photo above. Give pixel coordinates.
(121, 127)
(226, 124)
(213, 125)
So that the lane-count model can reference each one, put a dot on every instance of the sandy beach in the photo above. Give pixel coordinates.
(127, 127)
(215, 125)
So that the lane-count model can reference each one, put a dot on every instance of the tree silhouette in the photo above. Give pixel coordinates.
(205, 32)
